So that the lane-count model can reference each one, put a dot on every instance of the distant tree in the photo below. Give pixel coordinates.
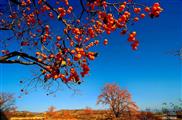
(7, 105)
(51, 109)
(173, 108)
(119, 101)
(179, 53)
(51, 113)
(7, 102)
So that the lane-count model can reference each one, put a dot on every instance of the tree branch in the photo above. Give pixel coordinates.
(4, 59)
(17, 61)
(83, 9)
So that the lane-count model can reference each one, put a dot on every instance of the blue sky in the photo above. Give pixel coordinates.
(152, 75)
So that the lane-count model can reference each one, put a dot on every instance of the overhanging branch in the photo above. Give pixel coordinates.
(17, 61)
(34, 61)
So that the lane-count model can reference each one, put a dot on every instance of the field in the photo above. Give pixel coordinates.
(62, 115)
(86, 114)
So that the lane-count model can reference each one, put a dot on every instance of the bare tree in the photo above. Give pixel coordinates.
(7, 102)
(51, 113)
(119, 101)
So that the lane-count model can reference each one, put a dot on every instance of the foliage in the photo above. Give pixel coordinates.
(60, 39)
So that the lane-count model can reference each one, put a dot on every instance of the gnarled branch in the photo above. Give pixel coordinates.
(34, 61)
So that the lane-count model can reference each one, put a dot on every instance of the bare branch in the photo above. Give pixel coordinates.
(4, 59)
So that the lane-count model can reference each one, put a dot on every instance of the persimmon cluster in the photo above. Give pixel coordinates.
(155, 10)
(132, 39)
(67, 56)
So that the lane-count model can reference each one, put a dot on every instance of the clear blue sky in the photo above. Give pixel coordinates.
(151, 74)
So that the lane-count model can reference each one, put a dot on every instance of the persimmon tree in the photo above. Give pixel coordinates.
(61, 39)
(118, 100)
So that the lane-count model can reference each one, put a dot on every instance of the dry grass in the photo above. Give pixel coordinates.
(84, 114)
